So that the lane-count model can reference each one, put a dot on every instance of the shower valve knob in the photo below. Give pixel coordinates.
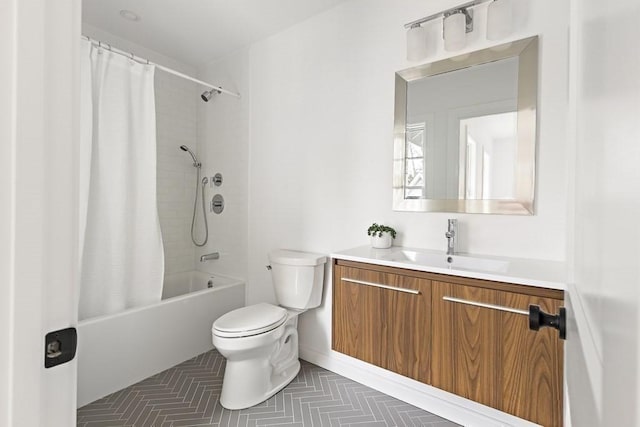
(217, 204)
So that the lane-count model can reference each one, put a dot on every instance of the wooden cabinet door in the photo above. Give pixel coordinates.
(406, 320)
(490, 356)
(532, 363)
(466, 353)
(356, 318)
(383, 319)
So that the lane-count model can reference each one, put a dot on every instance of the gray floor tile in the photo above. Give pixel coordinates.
(188, 395)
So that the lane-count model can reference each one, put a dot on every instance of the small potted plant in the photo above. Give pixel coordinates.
(381, 236)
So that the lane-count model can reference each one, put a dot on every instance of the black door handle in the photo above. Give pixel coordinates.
(60, 347)
(539, 319)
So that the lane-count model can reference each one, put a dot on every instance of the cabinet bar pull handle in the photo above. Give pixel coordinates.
(378, 285)
(484, 305)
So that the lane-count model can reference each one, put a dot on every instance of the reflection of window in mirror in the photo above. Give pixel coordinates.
(491, 175)
(414, 161)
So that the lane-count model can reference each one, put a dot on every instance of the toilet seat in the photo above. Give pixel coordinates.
(251, 320)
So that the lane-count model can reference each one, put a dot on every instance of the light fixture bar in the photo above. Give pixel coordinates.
(442, 14)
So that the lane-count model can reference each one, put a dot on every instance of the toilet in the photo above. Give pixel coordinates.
(260, 341)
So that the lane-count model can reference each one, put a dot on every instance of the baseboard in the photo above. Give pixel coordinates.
(431, 399)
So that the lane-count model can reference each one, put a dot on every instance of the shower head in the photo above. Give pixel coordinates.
(196, 163)
(207, 95)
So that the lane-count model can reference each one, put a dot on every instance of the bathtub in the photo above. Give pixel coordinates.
(116, 351)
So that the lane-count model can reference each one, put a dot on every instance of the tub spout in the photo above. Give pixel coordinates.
(207, 257)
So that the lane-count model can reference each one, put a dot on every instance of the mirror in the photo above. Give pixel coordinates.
(465, 132)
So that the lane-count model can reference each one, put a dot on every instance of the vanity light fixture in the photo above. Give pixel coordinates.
(417, 43)
(455, 26)
(456, 23)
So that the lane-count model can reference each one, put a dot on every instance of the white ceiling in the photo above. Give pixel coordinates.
(197, 31)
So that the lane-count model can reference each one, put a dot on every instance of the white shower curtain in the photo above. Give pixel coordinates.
(122, 258)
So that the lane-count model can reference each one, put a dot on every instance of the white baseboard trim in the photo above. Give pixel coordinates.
(431, 399)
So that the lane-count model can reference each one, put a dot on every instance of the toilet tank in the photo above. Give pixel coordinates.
(298, 278)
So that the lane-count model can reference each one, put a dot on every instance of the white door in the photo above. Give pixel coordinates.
(38, 199)
(603, 345)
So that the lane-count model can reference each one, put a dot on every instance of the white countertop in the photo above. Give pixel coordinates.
(530, 272)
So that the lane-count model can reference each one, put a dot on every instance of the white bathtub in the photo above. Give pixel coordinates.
(118, 350)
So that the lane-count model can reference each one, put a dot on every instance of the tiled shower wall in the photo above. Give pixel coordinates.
(223, 143)
(175, 126)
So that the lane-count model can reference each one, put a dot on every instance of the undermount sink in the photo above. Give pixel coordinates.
(442, 260)
(481, 264)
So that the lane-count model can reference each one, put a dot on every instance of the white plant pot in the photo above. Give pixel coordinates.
(383, 242)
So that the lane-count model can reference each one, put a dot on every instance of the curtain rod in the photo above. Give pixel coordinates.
(161, 67)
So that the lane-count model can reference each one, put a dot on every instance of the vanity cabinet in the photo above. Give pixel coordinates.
(491, 356)
(383, 318)
(453, 333)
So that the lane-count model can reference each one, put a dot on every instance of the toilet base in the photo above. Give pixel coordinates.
(244, 386)
(253, 376)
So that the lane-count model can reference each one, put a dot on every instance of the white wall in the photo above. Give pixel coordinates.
(603, 343)
(176, 100)
(223, 144)
(322, 96)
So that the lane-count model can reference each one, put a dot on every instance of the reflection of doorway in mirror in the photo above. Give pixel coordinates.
(486, 176)
(471, 168)
(414, 185)
(489, 144)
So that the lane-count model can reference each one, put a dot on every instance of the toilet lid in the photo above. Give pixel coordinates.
(251, 320)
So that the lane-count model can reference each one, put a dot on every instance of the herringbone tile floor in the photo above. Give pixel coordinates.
(187, 395)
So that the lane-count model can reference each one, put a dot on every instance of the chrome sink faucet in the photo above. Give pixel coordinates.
(452, 230)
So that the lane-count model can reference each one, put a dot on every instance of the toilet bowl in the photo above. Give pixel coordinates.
(260, 362)
(260, 341)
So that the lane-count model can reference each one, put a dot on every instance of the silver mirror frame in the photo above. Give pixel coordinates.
(527, 52)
